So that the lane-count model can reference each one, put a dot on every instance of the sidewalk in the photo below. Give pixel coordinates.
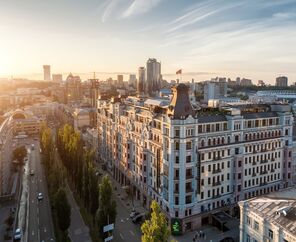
(122, 195)
(78, 231)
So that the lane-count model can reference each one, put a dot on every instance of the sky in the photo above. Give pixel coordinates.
(206, 38)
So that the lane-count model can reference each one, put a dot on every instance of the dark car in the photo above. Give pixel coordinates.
(138, 218)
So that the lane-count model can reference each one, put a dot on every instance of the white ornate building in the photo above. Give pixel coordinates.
(194, 163)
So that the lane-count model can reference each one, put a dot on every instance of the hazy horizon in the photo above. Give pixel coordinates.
(250, 38)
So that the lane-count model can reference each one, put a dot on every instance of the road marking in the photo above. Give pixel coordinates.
(121, 236)
(122, 220)
(33, 232)
(44, 230)
(132, 233)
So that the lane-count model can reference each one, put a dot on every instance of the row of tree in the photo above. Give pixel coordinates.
(79, 162)
(55, 173)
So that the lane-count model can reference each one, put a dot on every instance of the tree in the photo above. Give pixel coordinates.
(156, 229)
(19, 154)
(63, 209)
(107, 206)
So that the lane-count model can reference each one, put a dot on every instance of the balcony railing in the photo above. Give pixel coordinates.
(216, 171)
(189, 176)
(189, 189)
(263, 172)
(263, 161)
(217, 183)
(254, 174)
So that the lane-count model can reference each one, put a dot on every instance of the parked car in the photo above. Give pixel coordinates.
(134, 214)
(17, 234)
(138, 218)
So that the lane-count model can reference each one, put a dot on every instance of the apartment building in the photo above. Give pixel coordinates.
(195, 162)
(270, 218)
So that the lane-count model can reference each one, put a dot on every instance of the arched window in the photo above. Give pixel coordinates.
(209, 142)
(202, 143)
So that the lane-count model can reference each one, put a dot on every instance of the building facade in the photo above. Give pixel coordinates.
(46, 72)
(191, 162)
(281, 81)
(153, 76)
(269, 218)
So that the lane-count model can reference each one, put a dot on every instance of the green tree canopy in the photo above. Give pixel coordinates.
(63, 209)
(107, 205)
(156, 228)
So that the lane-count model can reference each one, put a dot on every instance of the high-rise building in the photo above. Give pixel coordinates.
(215, 89)
(195, 163)
(57, 77)
(281, 81)
(141, 80)
(119, 80)
(153, 76)
(46, 72)
(73, 88)
(246, 82)
(132, 81)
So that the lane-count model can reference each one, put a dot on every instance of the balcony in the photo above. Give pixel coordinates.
(217, 183)
(263, 172)
(254, 163)
(272, 170)
(263, 161)
(189, 176)
(254, 174)
(216, 196)
(189, 189)
(262, 184)
(215, 158)
(216, 171)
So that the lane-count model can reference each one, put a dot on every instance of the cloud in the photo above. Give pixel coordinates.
(108, 10)
(139, 7)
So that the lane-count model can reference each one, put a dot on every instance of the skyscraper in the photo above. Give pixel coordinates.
(46, 72)
(153, 75)
(132, 80)
(281, 81)
(119, 80)
(141, 80)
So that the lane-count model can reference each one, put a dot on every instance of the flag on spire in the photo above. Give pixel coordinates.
(179, 72)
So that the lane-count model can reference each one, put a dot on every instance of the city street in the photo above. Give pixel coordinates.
(39, 222)
(125, 229)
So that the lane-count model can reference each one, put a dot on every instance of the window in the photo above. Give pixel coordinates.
(256, 225)
(177, 159)
(188, 145)
(177, 133)
(188, 158)
(209, 168)
(176, 200)
(188, 199)
(270, 234)
(248, 238)
(248, 220)
(176, 145)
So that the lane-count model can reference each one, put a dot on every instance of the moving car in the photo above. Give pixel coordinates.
(32, 172)
(17, 234)
(40, 196)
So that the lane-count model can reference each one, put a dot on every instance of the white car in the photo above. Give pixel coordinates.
(40, 196)
(17, 234)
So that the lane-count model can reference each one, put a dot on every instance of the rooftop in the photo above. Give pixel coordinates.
(278, 208)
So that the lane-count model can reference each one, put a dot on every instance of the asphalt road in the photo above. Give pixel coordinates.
(40, 226)
(125, 229)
